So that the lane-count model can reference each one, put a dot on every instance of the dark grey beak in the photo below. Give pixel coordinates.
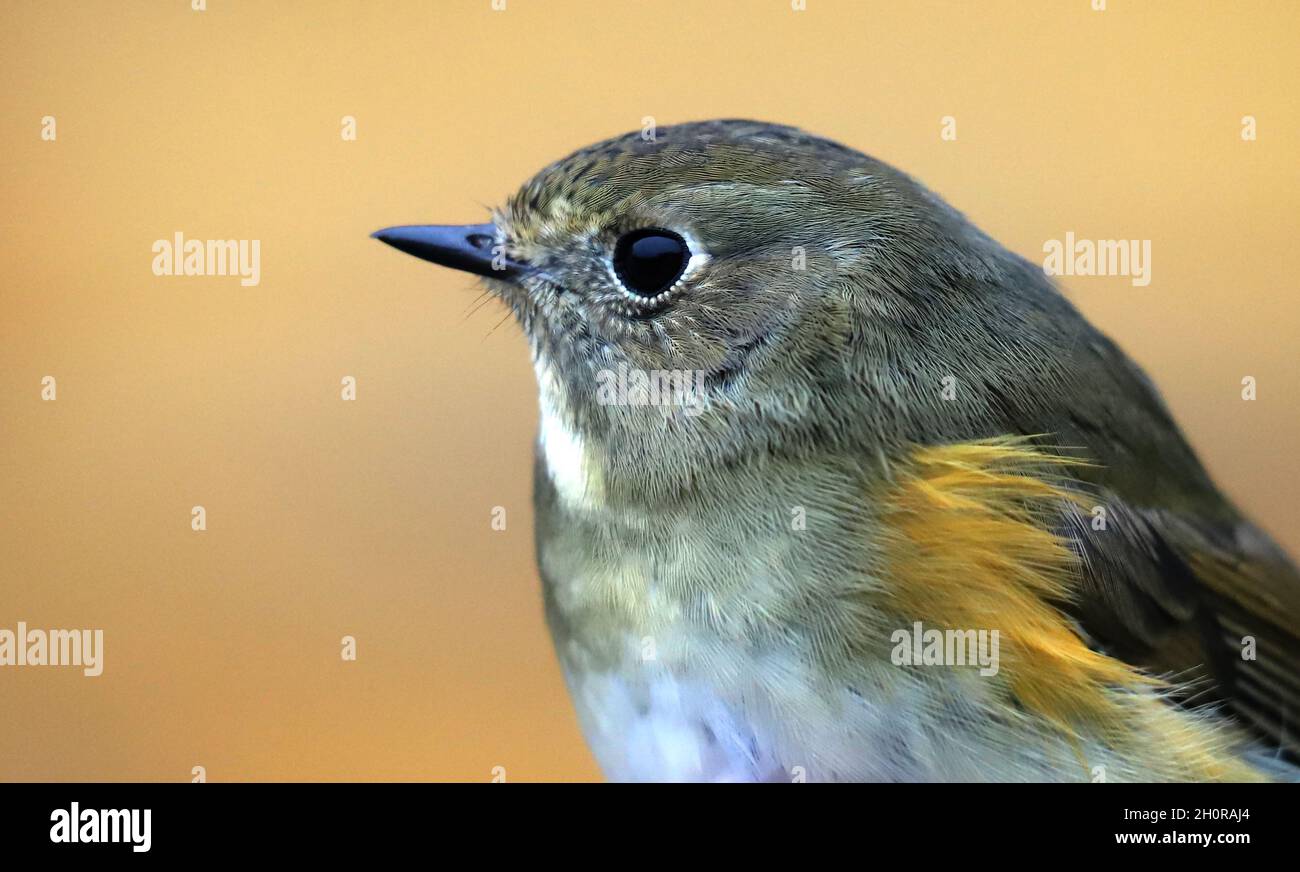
(467, 247)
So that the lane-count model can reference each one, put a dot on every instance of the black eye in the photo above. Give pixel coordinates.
(650, 260)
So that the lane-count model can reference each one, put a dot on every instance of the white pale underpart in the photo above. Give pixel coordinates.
(672, 727)
(669, 730)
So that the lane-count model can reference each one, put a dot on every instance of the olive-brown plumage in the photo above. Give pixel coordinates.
(866, 358)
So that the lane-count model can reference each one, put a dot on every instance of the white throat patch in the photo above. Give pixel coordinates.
(569, 463)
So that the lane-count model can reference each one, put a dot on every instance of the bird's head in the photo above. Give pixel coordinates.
(713, 290)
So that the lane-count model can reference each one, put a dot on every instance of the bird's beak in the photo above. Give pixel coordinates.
(470, 247)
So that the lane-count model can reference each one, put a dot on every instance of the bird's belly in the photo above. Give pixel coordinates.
(665, 728)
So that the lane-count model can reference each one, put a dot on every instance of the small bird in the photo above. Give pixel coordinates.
(831, 486)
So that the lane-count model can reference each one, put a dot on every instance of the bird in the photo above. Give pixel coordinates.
(829, 485)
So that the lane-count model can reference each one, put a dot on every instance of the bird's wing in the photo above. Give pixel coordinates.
(1174, 579)
(1211, 606)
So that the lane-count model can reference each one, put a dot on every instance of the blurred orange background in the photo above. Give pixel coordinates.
(372, 518)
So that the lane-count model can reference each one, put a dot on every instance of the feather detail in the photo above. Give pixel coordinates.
(970, 543)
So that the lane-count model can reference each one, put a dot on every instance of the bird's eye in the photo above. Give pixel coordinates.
(649, 261)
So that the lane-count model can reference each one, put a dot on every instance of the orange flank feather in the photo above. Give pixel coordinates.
(971, 543)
